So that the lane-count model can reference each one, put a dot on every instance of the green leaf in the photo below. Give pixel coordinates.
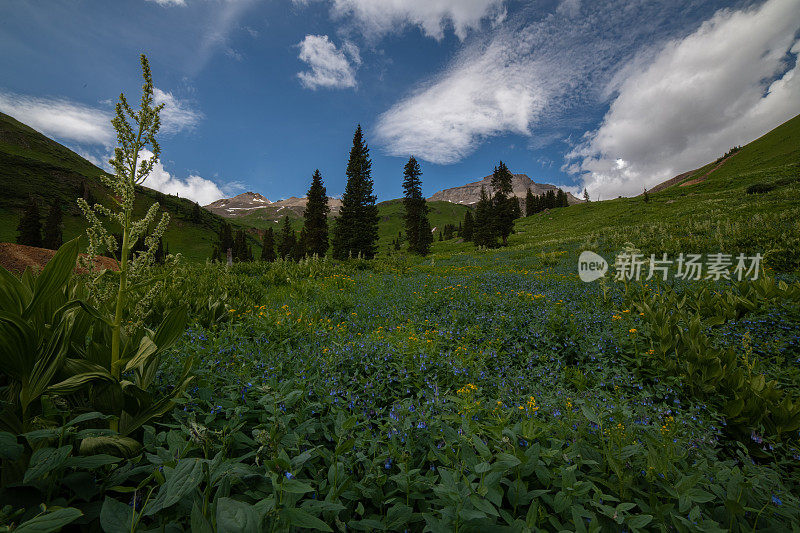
(639, 521)
(116, 445)
(345, 446)
(296, 487)
(171, 328)
(300, 518)
(186, 476)
(589, 414)
(49, 521)
(146, 349)
(199, 523)
(9, 447)
(54, 276)
(116, 517)
(92, 461)
(45, 460)
(235, 516)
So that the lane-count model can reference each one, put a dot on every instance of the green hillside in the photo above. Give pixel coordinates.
(33, 165)
(715, 215)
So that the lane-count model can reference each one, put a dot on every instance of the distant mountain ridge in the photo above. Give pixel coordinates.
(470, 193)
(252, 203)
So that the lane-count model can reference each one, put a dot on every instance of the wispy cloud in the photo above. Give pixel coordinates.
(733, 79)
(377, 18)
(60, 118)
(169, 2)
(330, 67)
(177, 115)
(80, 123)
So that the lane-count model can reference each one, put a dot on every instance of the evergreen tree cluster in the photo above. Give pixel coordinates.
(494, 216)
(235, 242)
(30, 231)
(550, 200)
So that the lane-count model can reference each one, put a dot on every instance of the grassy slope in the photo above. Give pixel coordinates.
(34, 165)
(714, 215)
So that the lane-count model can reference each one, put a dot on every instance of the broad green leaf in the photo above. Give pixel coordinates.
(234, 516)
(45, 460)
(9, 447)
(92, 461)
(54, 276)
(146, 349)
(116, 517)
(116, 445)
(171, 328)
(300, 518)
(186, 476)
(296, 487)
(49, 521)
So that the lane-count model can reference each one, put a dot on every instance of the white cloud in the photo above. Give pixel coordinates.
(86, 125)
(60, 118)
(723, 85)
(380, 17)
(330, 66)
(491, 92)
(169, 2)
(194, 188)
(176, 114)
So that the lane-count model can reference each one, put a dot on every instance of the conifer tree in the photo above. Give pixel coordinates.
(505, 208)
(585, 195)
(53, 227)
(30, 225)
(86, 194)
(287, 240)
(224, 242)
(483, 234)
(550, 200)
(241, 251)
(316, 218)
(646, 195)
(418, 229)
(530, 203)
(355, 232)
(467, 229)
(268, 246)
(196, 212)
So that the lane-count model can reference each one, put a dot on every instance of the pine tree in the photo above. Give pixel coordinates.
(483, 234)
(268, 246)
(466, 231)
(646, 196)
(316, 218)
(287, 240)
(550, 199)
(503, 212)
(224, 242)
(241, 251)
(196, 212)
(418, 229)
(53, 227)
(530, 203)
(355, 232)
(30, 226)
(585, 195)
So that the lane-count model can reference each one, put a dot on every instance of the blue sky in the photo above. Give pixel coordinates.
(610, 95)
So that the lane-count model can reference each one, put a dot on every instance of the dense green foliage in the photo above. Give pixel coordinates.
(268, 246)
(355, 232)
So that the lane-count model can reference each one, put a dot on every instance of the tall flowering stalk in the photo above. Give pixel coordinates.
(136, 133)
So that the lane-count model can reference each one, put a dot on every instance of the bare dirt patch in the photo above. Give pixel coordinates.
(17, 257)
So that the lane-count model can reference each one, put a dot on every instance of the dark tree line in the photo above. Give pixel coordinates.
(30, 231)
(550, 200)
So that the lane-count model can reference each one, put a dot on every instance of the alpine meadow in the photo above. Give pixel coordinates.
(425, 338)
